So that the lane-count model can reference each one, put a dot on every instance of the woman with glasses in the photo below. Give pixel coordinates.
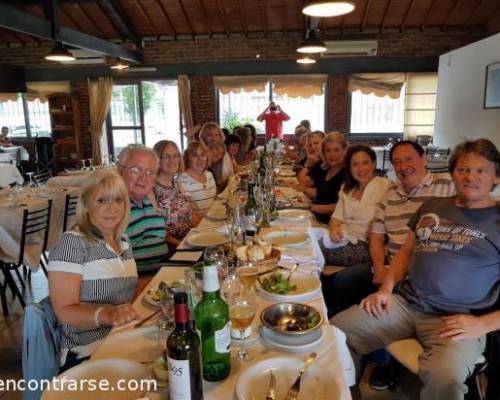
(92, 273)
(197, 182)
(172, 202)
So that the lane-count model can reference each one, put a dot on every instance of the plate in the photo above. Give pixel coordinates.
(286, 238)
(294, 214)
(308, 287)
(139, 344)
(205, 239)
(217, 213)
(318, 382)
(111, 370)
(291, 344)
(287, 172)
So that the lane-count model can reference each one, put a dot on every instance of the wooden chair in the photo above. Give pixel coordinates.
(69, 210)
(42, 178)
(34, 222)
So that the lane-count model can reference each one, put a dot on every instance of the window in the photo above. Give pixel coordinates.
(239, 107)
(373, 114)
(143, 112)
(13, 115)
(421, 89)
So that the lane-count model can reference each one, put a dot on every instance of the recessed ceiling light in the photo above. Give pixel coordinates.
(311, 43)
(328, 8)
(59, 53)
(306, 59)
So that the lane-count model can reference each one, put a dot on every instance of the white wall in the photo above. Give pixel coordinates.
(459, 105)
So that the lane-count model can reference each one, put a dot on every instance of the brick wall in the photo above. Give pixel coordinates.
(202, 99)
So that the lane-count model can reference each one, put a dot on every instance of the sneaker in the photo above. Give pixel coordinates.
(383, 377)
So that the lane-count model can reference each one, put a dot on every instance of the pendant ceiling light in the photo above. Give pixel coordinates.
(306, 59)
(59, 53)
(328, 8)
(119, 65)
(311, 43)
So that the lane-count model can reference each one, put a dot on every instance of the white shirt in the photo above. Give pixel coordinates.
(355, 214)
(201, 195)
(227, 166)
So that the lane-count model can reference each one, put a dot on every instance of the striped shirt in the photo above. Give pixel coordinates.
(202, 195)
(397, 207)
(146, 231)
(106, 278)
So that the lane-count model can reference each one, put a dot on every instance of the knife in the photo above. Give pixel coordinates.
(271, 391)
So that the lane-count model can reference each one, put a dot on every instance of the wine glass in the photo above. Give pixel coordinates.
(242, 310)
(247, 272)
(31, 184)
(215, 255)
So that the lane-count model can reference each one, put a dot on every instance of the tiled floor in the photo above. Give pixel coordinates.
(11, 336)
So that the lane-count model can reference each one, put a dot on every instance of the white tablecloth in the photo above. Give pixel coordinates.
(11, 218)
(75, 179)
(14, 150)
(9, 174)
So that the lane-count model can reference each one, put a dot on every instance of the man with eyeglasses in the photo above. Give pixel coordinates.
(138, 166)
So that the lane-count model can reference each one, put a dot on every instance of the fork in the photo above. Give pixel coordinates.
(294, 390)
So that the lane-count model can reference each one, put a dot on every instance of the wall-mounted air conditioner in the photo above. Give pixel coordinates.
(85, 57)
(350, 48)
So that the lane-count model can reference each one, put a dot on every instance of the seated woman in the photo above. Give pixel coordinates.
(92, 273)
(233, 145)
(358, 199)
(248, 146)
(211, 133)
(321, 180)
(172, 203)
(294, 148)
(216, 165)
(197, 182)
(4, 137)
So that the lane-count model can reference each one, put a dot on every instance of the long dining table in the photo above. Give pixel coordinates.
(141, 344)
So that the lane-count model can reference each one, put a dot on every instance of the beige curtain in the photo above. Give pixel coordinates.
(100, 92)
(387, 84)
(236, 84)
(185, 105)
(8, 96)
(298, 85)
(420, 104)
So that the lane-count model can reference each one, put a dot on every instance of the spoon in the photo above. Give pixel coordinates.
(292, 270)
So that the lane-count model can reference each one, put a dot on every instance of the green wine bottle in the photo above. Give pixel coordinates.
(250, 214)
(212, 322)
(183, 356)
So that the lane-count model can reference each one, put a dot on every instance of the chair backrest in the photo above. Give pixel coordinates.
(41, 179)
(34, 222)
(41, 345)
(69, 209)
(386, 161)
(438, 152)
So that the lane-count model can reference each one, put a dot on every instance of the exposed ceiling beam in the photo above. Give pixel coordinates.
(74, 21)
(40, 2)
(384, 16)
(120, 19)
(222, 16)
(452, 11)
(186, 17)
(263, 9)
(145, 15)
(405, 18)
(165, 15)
(205, 17)
(427, 14)
(241, 7)
(82, 11)
(20, 21)
(365, 15)
(284, 19)
(468, 20)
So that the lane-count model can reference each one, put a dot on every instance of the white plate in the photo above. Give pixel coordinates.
(318, 382)
(139, 344)
(308, 287)
(287, 172)
(217, 213)
(294, 214)
(205, 239)
(111, 370)
(286, 238)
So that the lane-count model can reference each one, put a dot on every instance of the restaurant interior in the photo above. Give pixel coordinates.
(82, 79)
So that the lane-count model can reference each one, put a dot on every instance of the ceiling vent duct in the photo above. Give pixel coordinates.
(85, 57)
(350, 48)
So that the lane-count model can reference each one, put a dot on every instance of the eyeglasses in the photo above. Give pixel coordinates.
(169, 157)
(102, 202)
(136, 171)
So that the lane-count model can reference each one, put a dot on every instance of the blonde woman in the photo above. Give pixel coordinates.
(173, 204)
(92, 272)
(211, 133)
(321, 180)
(197, 182)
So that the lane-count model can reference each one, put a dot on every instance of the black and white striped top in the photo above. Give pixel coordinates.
(201, 195)
(107, 278)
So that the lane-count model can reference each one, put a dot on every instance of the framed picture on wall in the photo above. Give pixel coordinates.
(492, 86)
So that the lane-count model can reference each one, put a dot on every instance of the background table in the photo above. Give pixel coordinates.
(9, 174)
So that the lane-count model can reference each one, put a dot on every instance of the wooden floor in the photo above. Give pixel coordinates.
(11, 330)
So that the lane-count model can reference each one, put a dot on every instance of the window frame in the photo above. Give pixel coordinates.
(27, 123)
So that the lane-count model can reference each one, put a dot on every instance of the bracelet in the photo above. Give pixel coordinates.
(96, 316)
